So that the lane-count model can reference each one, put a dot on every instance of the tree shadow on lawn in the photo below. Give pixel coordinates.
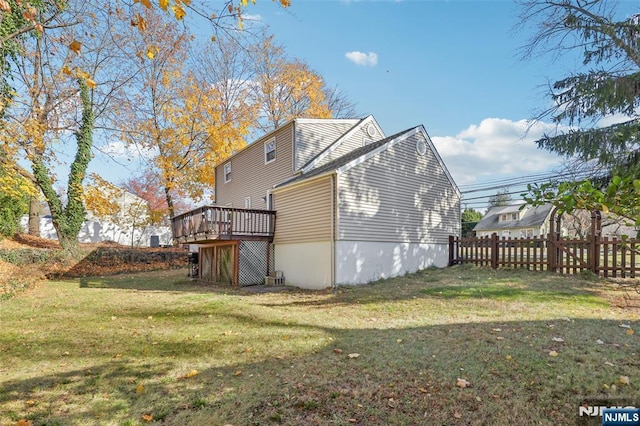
(357, 376)
(468, 282)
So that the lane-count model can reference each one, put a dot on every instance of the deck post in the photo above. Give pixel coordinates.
(451, 248)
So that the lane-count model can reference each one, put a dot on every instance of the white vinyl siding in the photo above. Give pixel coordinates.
(304, 212)
(398, 196)
(251, 176)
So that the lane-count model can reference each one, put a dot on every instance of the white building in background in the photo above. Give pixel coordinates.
(126, 227)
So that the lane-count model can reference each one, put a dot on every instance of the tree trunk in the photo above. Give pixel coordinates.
(34, 216)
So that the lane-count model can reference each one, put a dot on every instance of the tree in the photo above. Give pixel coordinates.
(286, 89)
(470, 217)
(148, 186)
(15, 192)
(609, 46)
(173, 114)
(501, 198)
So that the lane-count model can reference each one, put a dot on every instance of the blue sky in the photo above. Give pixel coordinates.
(451, 66)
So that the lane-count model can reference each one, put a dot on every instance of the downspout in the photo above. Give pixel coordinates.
(333, 228)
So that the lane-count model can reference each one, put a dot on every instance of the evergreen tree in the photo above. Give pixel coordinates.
(610, 47)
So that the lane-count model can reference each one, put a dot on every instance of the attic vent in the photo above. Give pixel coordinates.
(421, 147)
(371, 130)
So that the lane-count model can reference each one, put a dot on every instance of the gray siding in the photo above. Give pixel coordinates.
(398, 196)
(304, 212)
(250, 176)
(355, 140)
(314, 136)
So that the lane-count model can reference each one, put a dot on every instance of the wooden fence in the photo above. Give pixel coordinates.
(615, 258)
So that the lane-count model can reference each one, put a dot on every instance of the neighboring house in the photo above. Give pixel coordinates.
(126, 227)
(515, 221)
(326, 202)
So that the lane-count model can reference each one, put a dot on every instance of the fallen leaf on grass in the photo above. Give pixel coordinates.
(237, 373)
(423, 390)
(337, 351)
(354, 355)
(630, 331)
(499, 338)
(553, 353)
(557, 339)
(399, 340)
(147, 417)
(609, 364)
(462, 383)
(624, 326)
(31, 402)
(457, 415)
(24, 422)
(600, 342)
(624, 380)
(140, 388)
(508, 357)
(190, 374)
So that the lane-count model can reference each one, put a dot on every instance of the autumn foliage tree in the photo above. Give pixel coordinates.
(177, 117)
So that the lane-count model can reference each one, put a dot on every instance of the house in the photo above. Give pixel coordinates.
(516, 221)
(128, 226)
(326, 202)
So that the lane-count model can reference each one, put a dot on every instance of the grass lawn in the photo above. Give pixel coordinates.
(454, 346)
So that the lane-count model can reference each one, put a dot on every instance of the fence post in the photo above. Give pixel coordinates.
(451, 248)
(494, 250)
(551, 251)
(596, 233)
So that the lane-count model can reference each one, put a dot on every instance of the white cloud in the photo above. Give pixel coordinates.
(122, 151)
(496, 148)
(249, 17)
(364, 59)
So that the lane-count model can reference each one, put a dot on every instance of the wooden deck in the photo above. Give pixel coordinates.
(213, 223)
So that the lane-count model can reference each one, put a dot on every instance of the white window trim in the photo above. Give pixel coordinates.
(247, 202)
(224, 172)
(275, 155)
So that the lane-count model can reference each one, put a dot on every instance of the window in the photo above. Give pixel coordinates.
(227, 172)
(514, 216)
(247, 202)
(270, 151)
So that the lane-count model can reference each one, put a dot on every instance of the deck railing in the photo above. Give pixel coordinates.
(219, 223)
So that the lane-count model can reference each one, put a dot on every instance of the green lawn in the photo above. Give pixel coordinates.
(154, 348)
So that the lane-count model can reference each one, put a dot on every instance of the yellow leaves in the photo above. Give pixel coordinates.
(152, 51)
(66, 70)
(178, 12)
(75, 46)
(553, 353)
(147, 417)
(24, 422)
(140, 388)
(164, 4)
(624, 380)
(630, 331)
(353, 355)
(285, 3)
(189, 375)
(138, 21)
(146, 3)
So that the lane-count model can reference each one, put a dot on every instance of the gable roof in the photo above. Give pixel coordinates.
(311, 164)
(532, 217)
(359, 155)
(266, 136)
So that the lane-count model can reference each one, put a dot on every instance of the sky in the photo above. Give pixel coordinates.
(452, 66)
